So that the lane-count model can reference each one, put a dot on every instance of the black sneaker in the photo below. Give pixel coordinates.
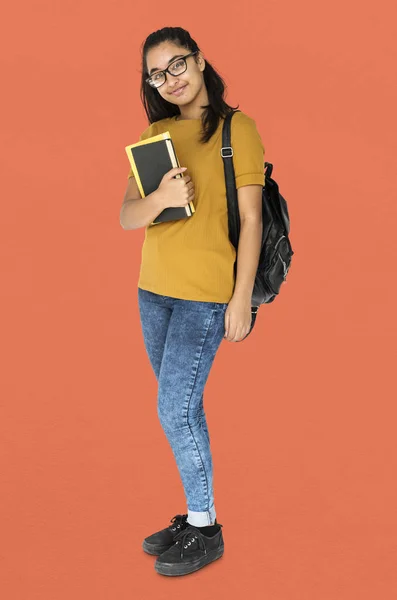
(191, 551)
(162, 540)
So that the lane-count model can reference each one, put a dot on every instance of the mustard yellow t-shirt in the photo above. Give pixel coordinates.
(193, 258)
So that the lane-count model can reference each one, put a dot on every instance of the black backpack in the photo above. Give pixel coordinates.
(276, 250)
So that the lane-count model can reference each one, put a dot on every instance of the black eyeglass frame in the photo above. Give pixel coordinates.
(165, 71)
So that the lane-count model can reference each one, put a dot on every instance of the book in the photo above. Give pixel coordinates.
(150, 160)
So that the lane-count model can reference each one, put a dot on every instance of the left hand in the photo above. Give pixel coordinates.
(238, 318)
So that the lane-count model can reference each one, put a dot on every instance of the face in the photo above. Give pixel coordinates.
(192, 79)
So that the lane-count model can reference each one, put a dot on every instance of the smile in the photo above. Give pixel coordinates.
(179, 91)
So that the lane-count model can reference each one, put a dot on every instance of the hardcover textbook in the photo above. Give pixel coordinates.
(150, 160)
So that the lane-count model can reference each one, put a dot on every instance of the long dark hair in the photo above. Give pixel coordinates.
(157, 108)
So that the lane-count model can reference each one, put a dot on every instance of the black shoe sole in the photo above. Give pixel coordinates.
(184, 569)
(155, 549)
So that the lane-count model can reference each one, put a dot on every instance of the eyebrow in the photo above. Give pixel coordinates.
(170, 61)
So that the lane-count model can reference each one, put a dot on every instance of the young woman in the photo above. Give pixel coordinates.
(189, 299)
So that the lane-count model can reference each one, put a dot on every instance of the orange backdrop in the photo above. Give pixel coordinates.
(302, 414)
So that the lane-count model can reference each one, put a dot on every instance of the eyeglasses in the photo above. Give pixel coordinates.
(177, 67)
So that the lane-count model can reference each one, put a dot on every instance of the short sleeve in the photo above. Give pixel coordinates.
(149, 132)
(248, 151)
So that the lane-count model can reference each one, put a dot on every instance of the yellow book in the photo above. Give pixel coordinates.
(150, 160)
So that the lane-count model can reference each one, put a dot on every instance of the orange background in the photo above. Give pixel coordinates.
(302, 415)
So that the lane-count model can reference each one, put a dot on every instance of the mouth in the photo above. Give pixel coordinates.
(178, 91)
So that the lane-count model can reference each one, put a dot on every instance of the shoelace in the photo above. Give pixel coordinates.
(178, 520)
(187, 536)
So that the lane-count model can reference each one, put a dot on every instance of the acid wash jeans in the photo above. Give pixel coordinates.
(181, 339)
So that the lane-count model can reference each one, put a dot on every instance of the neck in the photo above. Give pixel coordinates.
(181, 118)
(195, 112)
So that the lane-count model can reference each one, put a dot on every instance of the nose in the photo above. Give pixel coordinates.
(176, 85)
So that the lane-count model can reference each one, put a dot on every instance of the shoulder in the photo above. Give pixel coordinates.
(244, 130)
(248, 146)
(148, 132)
(242, 117)
(155, 128)
(242, 120)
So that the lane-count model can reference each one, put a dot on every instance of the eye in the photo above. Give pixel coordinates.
(177, 65)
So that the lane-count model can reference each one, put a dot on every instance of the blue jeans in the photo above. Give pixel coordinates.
(181, 339)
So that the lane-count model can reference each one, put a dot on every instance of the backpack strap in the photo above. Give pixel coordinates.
(231, 192)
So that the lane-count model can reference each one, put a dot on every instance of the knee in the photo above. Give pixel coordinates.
(174, 416)
(169, 414)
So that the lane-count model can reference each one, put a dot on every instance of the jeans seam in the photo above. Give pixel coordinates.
(187, 412)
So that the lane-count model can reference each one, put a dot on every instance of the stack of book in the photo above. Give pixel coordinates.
(150, 160)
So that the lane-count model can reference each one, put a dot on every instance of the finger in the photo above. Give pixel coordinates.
(240, 334)
(226, 325)
(232, 332)
(236, 336)
(243, 335)
(246, 331)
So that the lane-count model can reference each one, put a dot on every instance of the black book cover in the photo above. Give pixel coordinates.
(150, 159)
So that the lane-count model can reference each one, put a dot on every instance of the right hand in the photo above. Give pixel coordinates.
(176, 192)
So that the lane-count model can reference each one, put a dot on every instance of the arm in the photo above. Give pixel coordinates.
(136, 211)
(238, 313)
(249, 245)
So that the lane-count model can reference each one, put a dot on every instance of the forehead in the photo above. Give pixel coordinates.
(159, 57)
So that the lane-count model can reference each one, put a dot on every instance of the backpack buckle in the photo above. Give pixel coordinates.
(226, 148)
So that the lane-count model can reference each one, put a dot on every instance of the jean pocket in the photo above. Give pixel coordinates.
(220, 306)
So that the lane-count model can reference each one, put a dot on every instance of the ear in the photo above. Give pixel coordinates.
(200, 61)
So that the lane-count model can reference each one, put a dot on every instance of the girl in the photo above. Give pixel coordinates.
(189, 299)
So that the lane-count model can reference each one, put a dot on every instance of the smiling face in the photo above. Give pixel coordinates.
(192, 80)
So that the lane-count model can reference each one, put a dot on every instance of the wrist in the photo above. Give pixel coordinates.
(243, 295)
(159, 199)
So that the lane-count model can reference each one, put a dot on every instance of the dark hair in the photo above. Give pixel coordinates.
(157, 108)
